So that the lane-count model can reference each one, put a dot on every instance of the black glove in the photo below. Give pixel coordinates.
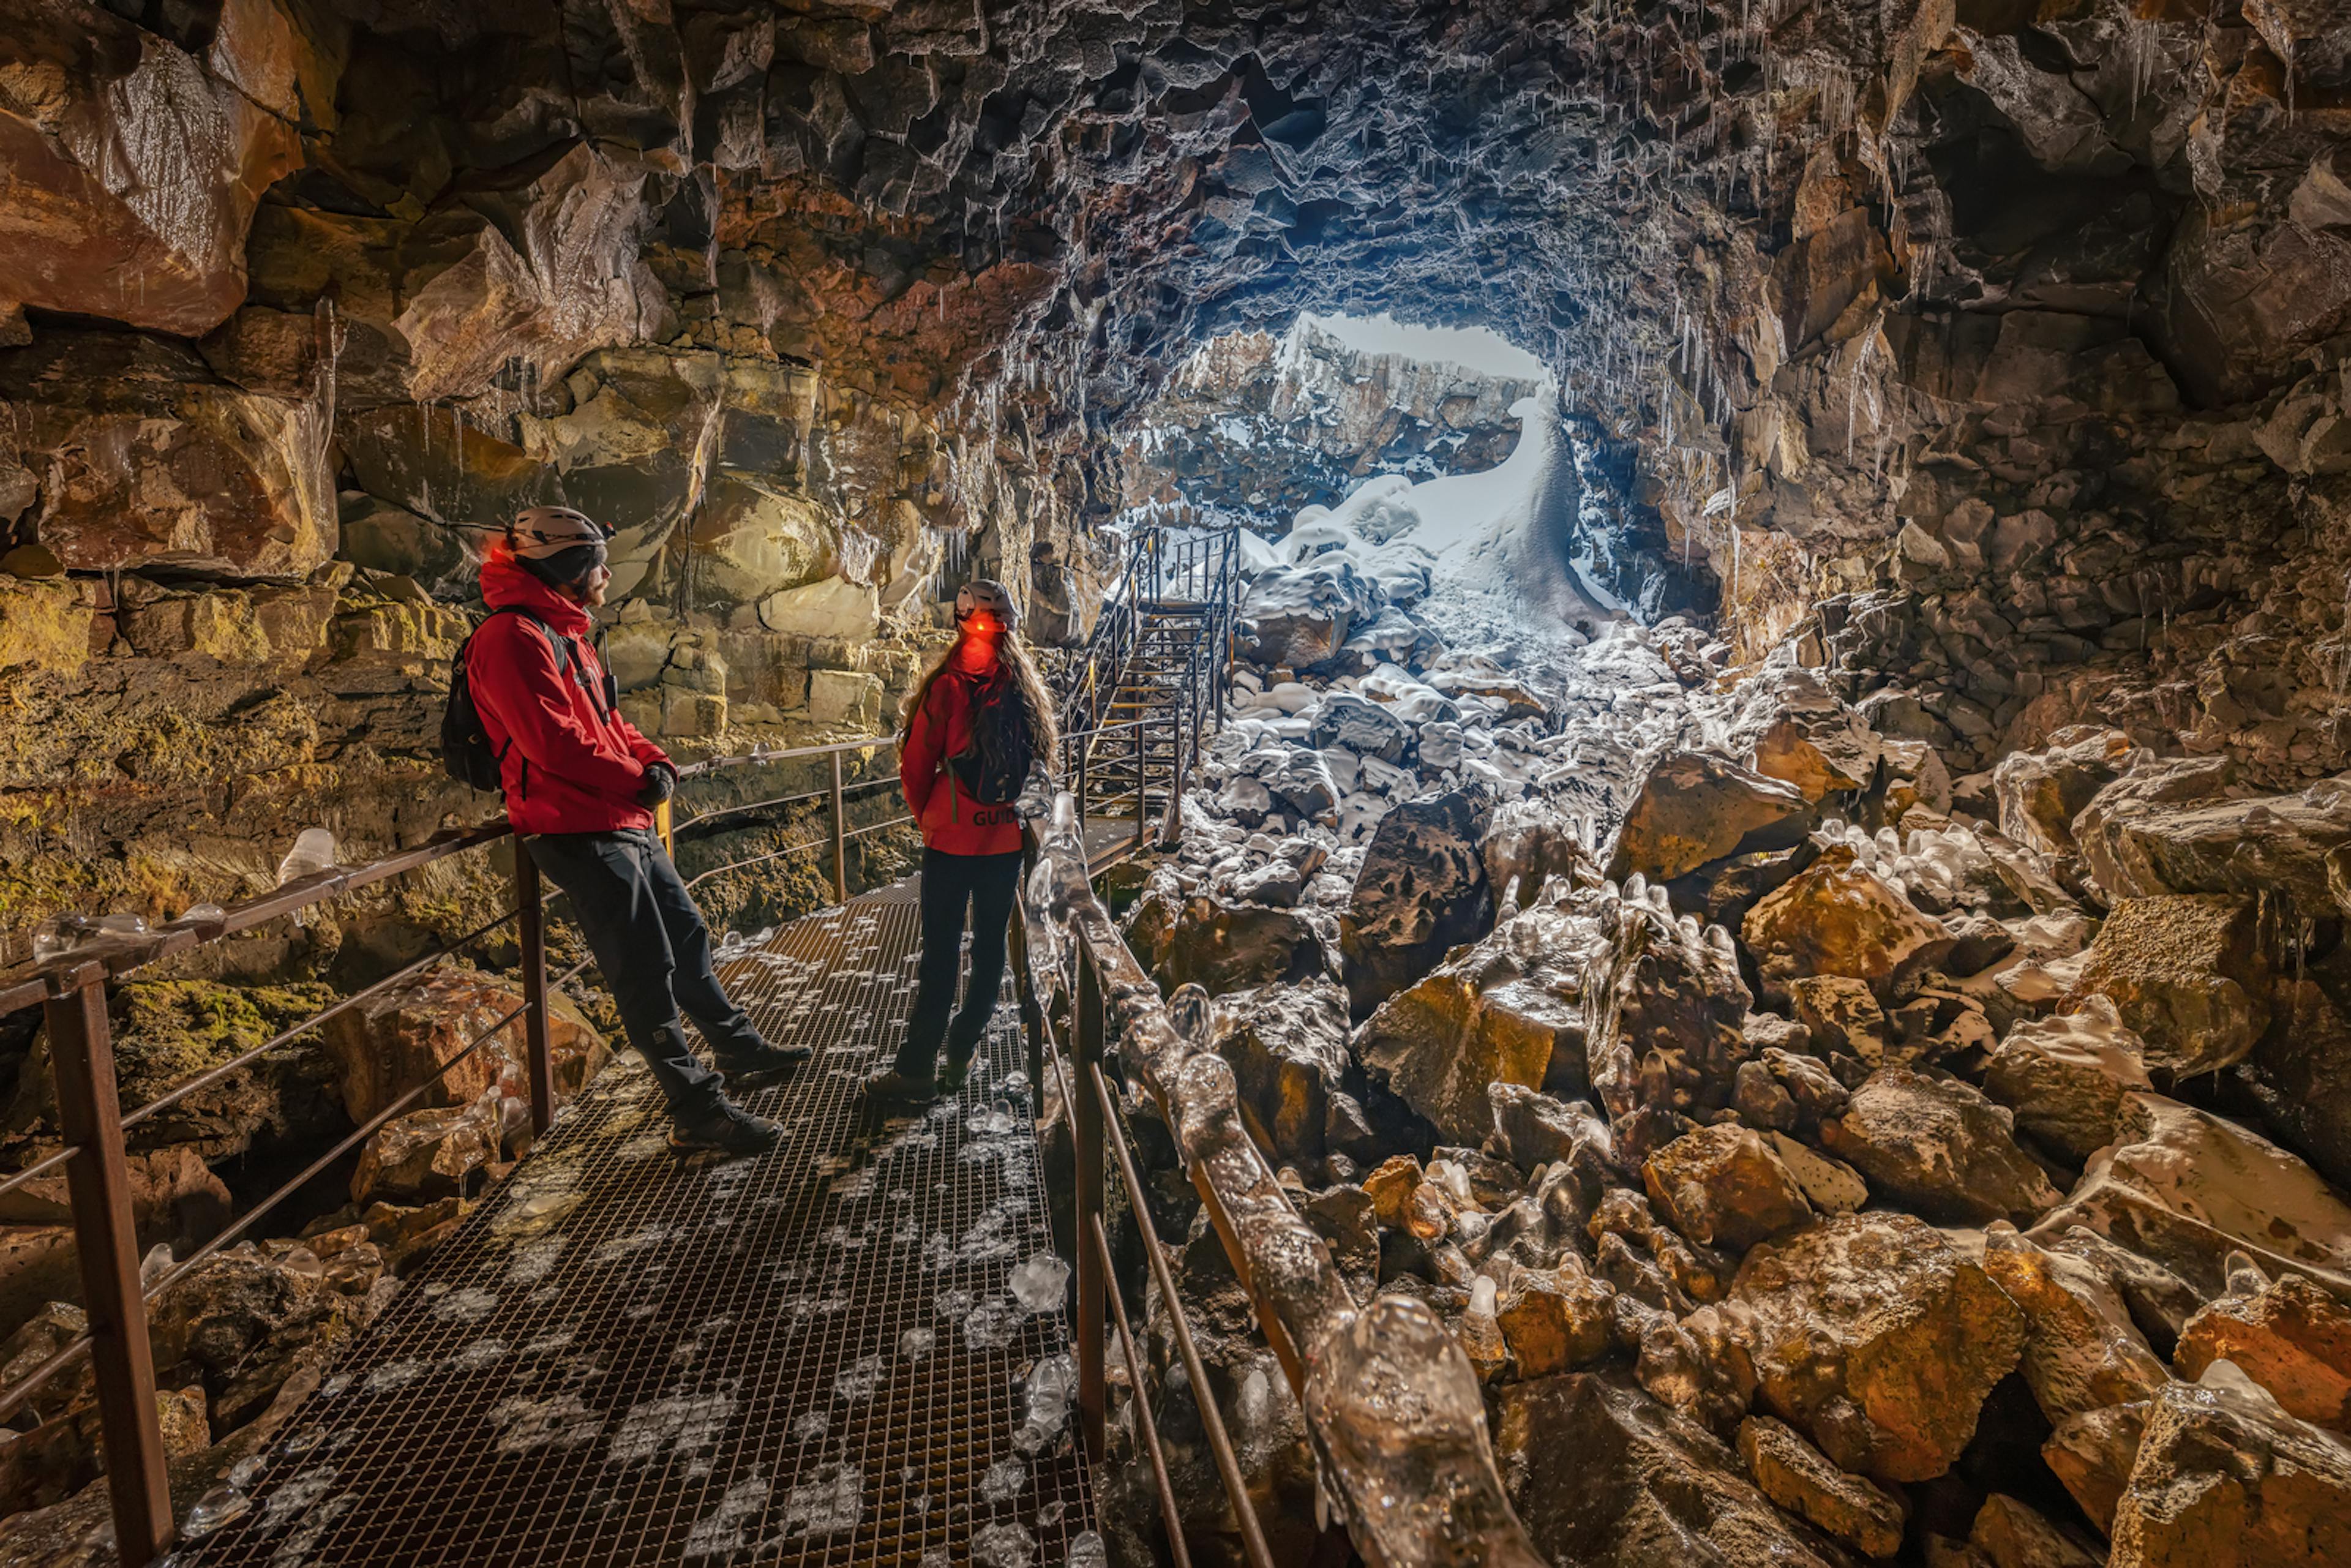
(661, 783)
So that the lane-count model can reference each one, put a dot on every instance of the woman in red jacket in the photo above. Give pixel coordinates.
(972, 729)
(580, 783)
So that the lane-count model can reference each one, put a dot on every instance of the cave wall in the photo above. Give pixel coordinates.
(1993, 355)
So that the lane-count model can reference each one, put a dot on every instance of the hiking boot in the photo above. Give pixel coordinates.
(758, 1057)
(952, 1074)
(899, 1088)
(726, 1128)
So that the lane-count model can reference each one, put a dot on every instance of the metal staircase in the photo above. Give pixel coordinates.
(1149, 691)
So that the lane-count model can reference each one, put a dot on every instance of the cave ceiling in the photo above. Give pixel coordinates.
(1730, 229)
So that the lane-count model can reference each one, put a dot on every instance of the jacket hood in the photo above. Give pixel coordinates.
(507, 582)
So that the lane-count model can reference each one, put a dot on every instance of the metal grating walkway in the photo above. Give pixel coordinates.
(627, 1357)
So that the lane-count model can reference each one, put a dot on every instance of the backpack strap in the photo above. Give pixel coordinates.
(567, 662)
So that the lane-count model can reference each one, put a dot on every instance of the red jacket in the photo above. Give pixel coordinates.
(571, 766)
(952, 822)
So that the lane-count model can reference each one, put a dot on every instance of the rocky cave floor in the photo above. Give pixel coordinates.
(1819, 1157)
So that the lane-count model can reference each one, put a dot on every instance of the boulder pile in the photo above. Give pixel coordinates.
(1839, 1161)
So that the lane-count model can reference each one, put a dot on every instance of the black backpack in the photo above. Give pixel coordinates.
(465, 751)
(995, 705)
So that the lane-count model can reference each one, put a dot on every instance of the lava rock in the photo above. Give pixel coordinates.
(1838, 919)
(427, 1154)
(1604, 1475)
(2082, 1352)
(2185, 1188)
(2040, 792)
(1508, 1010)
(1422, 891)
(413, 1031)
(2224, 1476)
(1223, 946)
(2288, 1335)
(1695, 807)
(1556, 1319)
(1939, 1147)
(1669, 1014)
(1288, 1048)
(2063, 1077)
(2189, 973)
(1791, 728)
(1724, 1186)
(2014, 1534)
(1878, 1340)
(1800, 1479)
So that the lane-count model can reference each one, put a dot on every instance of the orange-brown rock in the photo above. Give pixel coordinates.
(1878, 1340)
(131, 168)
(1837, 919)
(2187, 972)
(1939, 1147)
(2092, 1453)
(2080, 1350)
(1800, 1479)
(2226, 1479)
(2014, 1534)
(1556, 1319)
(2289, 1336)
(1723, 1185)
(427, 1154)
(2064, 1077)
(1695, 807)
(416, 1032)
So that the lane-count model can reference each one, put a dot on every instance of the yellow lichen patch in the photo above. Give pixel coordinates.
(44, 624)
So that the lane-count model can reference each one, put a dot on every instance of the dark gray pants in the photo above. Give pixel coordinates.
(985, 885)
(653, 950)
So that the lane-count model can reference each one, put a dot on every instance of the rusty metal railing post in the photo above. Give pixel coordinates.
(530, 930)
(1086, 1129)
(1141, 766)
(840, 837)
(97, 1182)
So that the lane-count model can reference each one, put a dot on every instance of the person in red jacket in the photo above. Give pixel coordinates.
(580, 783)
(972, 729)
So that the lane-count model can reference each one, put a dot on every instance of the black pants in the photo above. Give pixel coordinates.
(654, 951)
(987, 884)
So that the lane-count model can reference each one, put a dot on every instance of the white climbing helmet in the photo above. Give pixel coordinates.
(540, 532)
(987, 593)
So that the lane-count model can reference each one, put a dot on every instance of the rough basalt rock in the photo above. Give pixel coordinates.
(1604, 1475)
(1694, 808)
(2226, 1479)
(1288, 1048)
(149, 460)
(2185, 1188)
(2040, 792)
(1937, 1146)
(2063, 1077)
(1836, 918)
(1667, 1026)
(133, 166)
(1878, 1340)
(1222, 946)
(1725, 1186)
(2189, 973)
(1791, 726)
(2288, 1335)
(1800, 1479)
(1509, 1009)
(415, 1032)
(1422, 890)
(2082, 1352)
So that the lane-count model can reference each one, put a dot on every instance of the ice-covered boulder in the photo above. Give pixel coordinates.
(2064, 1076)
(1938, 1146)
(1288, 1048)
(1725, 1186)
(1789, 726)
(2040, 792)
(1300, 618)
(2184, 1189)
(1669, 1008)
(2225, 1476)
(1836, 918)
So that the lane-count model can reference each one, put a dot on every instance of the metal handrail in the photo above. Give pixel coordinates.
(1392, 1407)
(71, 990)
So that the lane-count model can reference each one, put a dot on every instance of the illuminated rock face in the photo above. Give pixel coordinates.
(1946, 443)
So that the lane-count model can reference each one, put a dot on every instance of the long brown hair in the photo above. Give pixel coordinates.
(1012, 658)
